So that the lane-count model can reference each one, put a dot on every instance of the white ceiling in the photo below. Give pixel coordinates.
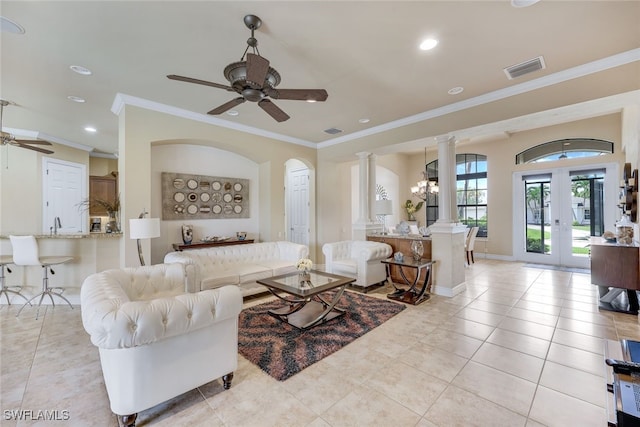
(364, 53)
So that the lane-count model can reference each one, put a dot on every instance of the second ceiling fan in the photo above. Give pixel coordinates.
(255, 81)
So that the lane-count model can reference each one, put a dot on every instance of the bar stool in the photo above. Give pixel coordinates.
(4, 289)
(25, 252)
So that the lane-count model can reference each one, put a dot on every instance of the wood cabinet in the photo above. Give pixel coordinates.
(102, 188)
(201, 245)
(403, 244)
(614, 265)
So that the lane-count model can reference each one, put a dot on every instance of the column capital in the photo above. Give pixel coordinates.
(363, 154)
(441, 139)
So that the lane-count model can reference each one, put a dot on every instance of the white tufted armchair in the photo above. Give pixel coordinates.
(359, 259)
(155, 340)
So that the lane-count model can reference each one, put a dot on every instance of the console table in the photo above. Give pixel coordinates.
(616, 266)
(201, 245)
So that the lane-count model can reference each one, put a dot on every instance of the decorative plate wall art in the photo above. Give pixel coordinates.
(187, 197)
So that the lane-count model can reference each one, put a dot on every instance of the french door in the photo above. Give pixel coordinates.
(558, 210)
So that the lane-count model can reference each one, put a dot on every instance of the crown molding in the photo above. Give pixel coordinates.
(122, 99)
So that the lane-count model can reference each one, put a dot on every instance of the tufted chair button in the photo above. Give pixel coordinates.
(134, 327)
(164, 321)
(189, 315)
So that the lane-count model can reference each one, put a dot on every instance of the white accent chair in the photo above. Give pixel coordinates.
(26, 253)
(157, 341)
(358, 258)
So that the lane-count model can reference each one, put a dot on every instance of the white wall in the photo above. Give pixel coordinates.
(384, 177)
(200, 160)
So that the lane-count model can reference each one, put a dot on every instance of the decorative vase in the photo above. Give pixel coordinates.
(112, 224)
(187, 234)
(417, 249)
(304, 277)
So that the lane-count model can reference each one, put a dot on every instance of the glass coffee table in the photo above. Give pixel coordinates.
(305, 302)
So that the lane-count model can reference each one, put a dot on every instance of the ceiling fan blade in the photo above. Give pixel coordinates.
(257, 68)
(199, 82)
(28, 147)
(33, 141)
(299, 94)
(227, 106)
(273, 110)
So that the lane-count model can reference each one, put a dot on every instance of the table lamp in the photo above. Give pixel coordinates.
(143, 228)
(384, 208)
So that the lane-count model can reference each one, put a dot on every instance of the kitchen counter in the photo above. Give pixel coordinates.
(91, 253)
(69, 236)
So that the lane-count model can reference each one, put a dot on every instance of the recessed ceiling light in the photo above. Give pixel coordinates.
(311, 100)
(9, 26)
(75, 98)
(523, 3)
(455, 90)
(91, 129)
(81, 70)
(428, 44)
(364, 121)
(232, 113)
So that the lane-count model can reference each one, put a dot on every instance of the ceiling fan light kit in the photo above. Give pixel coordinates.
(256, 81)
(8, 139)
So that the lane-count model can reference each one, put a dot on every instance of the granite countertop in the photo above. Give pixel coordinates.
(70, 236)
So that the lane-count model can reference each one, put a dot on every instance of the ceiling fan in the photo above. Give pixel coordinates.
(8, 139)
(256, 81)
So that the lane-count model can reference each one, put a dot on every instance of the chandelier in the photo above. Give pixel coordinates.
(424, 187)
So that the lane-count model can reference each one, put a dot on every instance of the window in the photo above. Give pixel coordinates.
(471, 191)
(564, 148)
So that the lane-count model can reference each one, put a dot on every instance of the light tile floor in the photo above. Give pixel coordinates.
(521, 346)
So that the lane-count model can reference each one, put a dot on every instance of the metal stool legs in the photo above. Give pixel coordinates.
(46, 290)
(6, 290)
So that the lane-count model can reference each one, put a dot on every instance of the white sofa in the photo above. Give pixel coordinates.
(358, 258)
(240, 264)
(155, 340)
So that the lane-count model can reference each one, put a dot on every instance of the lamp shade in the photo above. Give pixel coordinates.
(144, 228)
(384, 207)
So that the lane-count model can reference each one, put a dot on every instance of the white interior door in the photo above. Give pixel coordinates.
(64, 189)
(558, 210)
(298, 206)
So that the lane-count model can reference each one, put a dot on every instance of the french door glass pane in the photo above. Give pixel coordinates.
(538, 211)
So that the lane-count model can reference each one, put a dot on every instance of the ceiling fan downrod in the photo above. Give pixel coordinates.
(253, 23)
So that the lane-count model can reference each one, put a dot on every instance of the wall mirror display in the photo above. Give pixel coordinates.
(188, 196)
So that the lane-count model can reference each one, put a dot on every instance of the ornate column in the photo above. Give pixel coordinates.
(372, 189)
(366, 196)
(447, 235)
(363, 204)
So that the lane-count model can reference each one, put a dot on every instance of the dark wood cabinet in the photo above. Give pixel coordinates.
(201, 245)
(614, 265)
(102, 188)
(403, 244)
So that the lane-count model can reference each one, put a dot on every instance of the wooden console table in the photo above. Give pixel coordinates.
(616, 266)
(201, 245)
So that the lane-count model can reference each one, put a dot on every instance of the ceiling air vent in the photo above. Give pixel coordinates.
(333, 131)
(525, 67)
